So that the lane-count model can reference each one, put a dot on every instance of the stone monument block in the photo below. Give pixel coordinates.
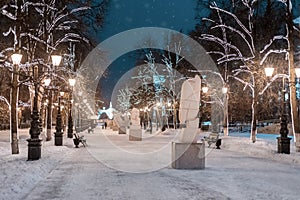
(188, 155)
(135, 134)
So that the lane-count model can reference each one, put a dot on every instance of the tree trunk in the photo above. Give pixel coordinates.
(293, 100)
(215, 119)
(13, 112)
(254, 120)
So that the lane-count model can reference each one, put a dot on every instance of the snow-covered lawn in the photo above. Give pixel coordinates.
(240, 170)
(18, 176)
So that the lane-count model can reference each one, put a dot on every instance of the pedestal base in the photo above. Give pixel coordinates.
(188, 155)
(58, 139)
(283, 145)
(135, 135)
(122, 130)
(34, 149)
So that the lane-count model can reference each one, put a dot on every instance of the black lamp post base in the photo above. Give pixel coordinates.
(76, 142)
(34, 149)
(70, 134)
(58, 139)
(283, 145)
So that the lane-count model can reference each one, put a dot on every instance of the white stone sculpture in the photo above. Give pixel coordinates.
(135, 117)
(120, 122)
(135, 131)
(188, 110)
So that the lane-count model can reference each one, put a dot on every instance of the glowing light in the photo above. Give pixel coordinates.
(56, 60)
(204, 89)
(269, 71)
(16, 58)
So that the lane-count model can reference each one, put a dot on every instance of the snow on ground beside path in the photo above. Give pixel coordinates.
(19, 177)
(261, 149)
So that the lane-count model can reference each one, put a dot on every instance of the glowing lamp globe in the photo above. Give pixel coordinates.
(269, 71)
(16, 58)
(56, 60)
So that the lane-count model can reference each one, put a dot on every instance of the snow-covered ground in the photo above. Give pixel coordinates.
(240, 170)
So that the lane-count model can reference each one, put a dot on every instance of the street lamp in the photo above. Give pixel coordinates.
(269, 71)
(204, 89)
(224, 90)
(47, 82)
(283, 142)
(56, 59)
(16, 59)
(70, 119)
(58, 134)
(34, 142)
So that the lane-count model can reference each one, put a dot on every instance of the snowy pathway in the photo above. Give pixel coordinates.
(83, 177)
(254, 172)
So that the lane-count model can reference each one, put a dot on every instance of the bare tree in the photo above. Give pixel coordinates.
(36, 29)
(239, 44)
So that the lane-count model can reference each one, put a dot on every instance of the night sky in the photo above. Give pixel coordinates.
(124, 15)
(128, 14)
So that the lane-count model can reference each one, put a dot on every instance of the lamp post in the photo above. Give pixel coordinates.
(34, 142)
(49, 116)
(283, 142)
(70, 119)
(43, 109)
(58, 134)
(225, 114)
(204, 91)
(16, 59)
(56, 59)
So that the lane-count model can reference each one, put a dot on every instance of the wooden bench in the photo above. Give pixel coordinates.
(79, 139)
(212, 138)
